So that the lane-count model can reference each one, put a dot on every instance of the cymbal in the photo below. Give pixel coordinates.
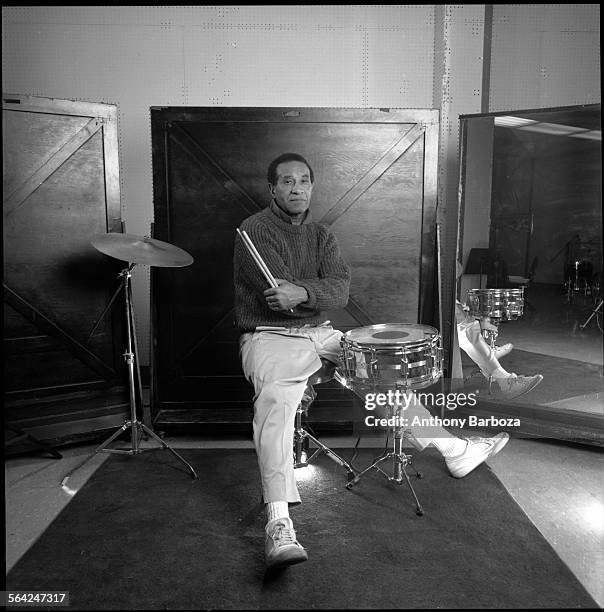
(141, 250)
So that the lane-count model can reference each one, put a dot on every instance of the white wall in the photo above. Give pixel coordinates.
(545, 55)
(137, 57)
(409, 56)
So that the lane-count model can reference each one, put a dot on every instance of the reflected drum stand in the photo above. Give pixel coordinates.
(135, 249)
(594, 312)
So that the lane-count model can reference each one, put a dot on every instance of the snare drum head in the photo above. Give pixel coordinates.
(389, 334)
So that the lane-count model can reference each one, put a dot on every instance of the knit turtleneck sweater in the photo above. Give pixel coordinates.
(306, 255)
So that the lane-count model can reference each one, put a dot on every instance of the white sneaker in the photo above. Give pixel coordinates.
(514, 386)
(280, 545)
(477, 451)
(502, 351)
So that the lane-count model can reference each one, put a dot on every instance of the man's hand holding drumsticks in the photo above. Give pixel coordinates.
(285, 296)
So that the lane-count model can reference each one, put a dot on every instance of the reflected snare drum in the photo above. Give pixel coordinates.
(500, 304)
(406, 356)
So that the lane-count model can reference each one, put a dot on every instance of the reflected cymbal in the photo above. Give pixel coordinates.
(141, 250)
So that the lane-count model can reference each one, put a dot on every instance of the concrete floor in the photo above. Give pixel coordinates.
(559, 486)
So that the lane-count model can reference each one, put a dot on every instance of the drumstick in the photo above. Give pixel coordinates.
(256, 257)
(259, 259)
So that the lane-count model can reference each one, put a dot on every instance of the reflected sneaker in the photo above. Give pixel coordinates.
(280, 545)
(477, 451)
(514, 386)
(502, 351)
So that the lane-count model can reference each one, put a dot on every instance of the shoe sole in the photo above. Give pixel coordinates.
(281, 563)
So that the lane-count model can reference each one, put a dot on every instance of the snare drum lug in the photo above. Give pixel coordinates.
(404, 366)
(348, 362)
(374, 369)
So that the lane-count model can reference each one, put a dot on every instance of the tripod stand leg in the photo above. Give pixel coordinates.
(379, 460)
(166, 446)
(418, 509)
(591, 316)
(99, 449)
(113, 436)
(325, 449)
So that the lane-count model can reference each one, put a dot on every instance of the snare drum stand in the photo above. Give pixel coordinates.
(490, 337)
(593, 313)
(302, 437)
(399, 460)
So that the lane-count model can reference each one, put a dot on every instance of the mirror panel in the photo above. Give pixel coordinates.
(531, 218)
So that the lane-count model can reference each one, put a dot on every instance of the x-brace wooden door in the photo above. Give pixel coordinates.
(375, 187)
(63, 375)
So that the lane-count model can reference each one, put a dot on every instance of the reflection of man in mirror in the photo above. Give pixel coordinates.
(472, 342)
(285, 335)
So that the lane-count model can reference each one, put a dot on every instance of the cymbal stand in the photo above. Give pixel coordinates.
(137, 427)
(399, 461)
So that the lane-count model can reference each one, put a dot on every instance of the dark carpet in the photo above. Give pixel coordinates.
(562, 378)
(141, 534)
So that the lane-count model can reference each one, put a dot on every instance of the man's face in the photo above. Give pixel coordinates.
(294, 188)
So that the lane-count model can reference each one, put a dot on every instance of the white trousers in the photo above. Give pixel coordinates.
(278, 362)
(472, 342)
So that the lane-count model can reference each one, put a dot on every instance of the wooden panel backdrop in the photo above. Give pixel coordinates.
(61, 186)
(375, 186)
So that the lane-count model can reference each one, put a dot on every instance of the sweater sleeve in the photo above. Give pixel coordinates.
(330, 289)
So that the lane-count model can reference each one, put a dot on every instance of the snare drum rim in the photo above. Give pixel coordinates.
(404, 346)
(497, 292)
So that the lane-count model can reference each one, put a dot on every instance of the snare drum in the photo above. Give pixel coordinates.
(389, 355)
(500, 304)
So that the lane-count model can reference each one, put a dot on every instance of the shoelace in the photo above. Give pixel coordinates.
(284, 536)
(512, 377)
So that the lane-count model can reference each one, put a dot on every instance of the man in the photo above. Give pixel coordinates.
(285, 334)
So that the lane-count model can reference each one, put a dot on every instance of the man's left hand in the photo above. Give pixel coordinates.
(285, 296)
